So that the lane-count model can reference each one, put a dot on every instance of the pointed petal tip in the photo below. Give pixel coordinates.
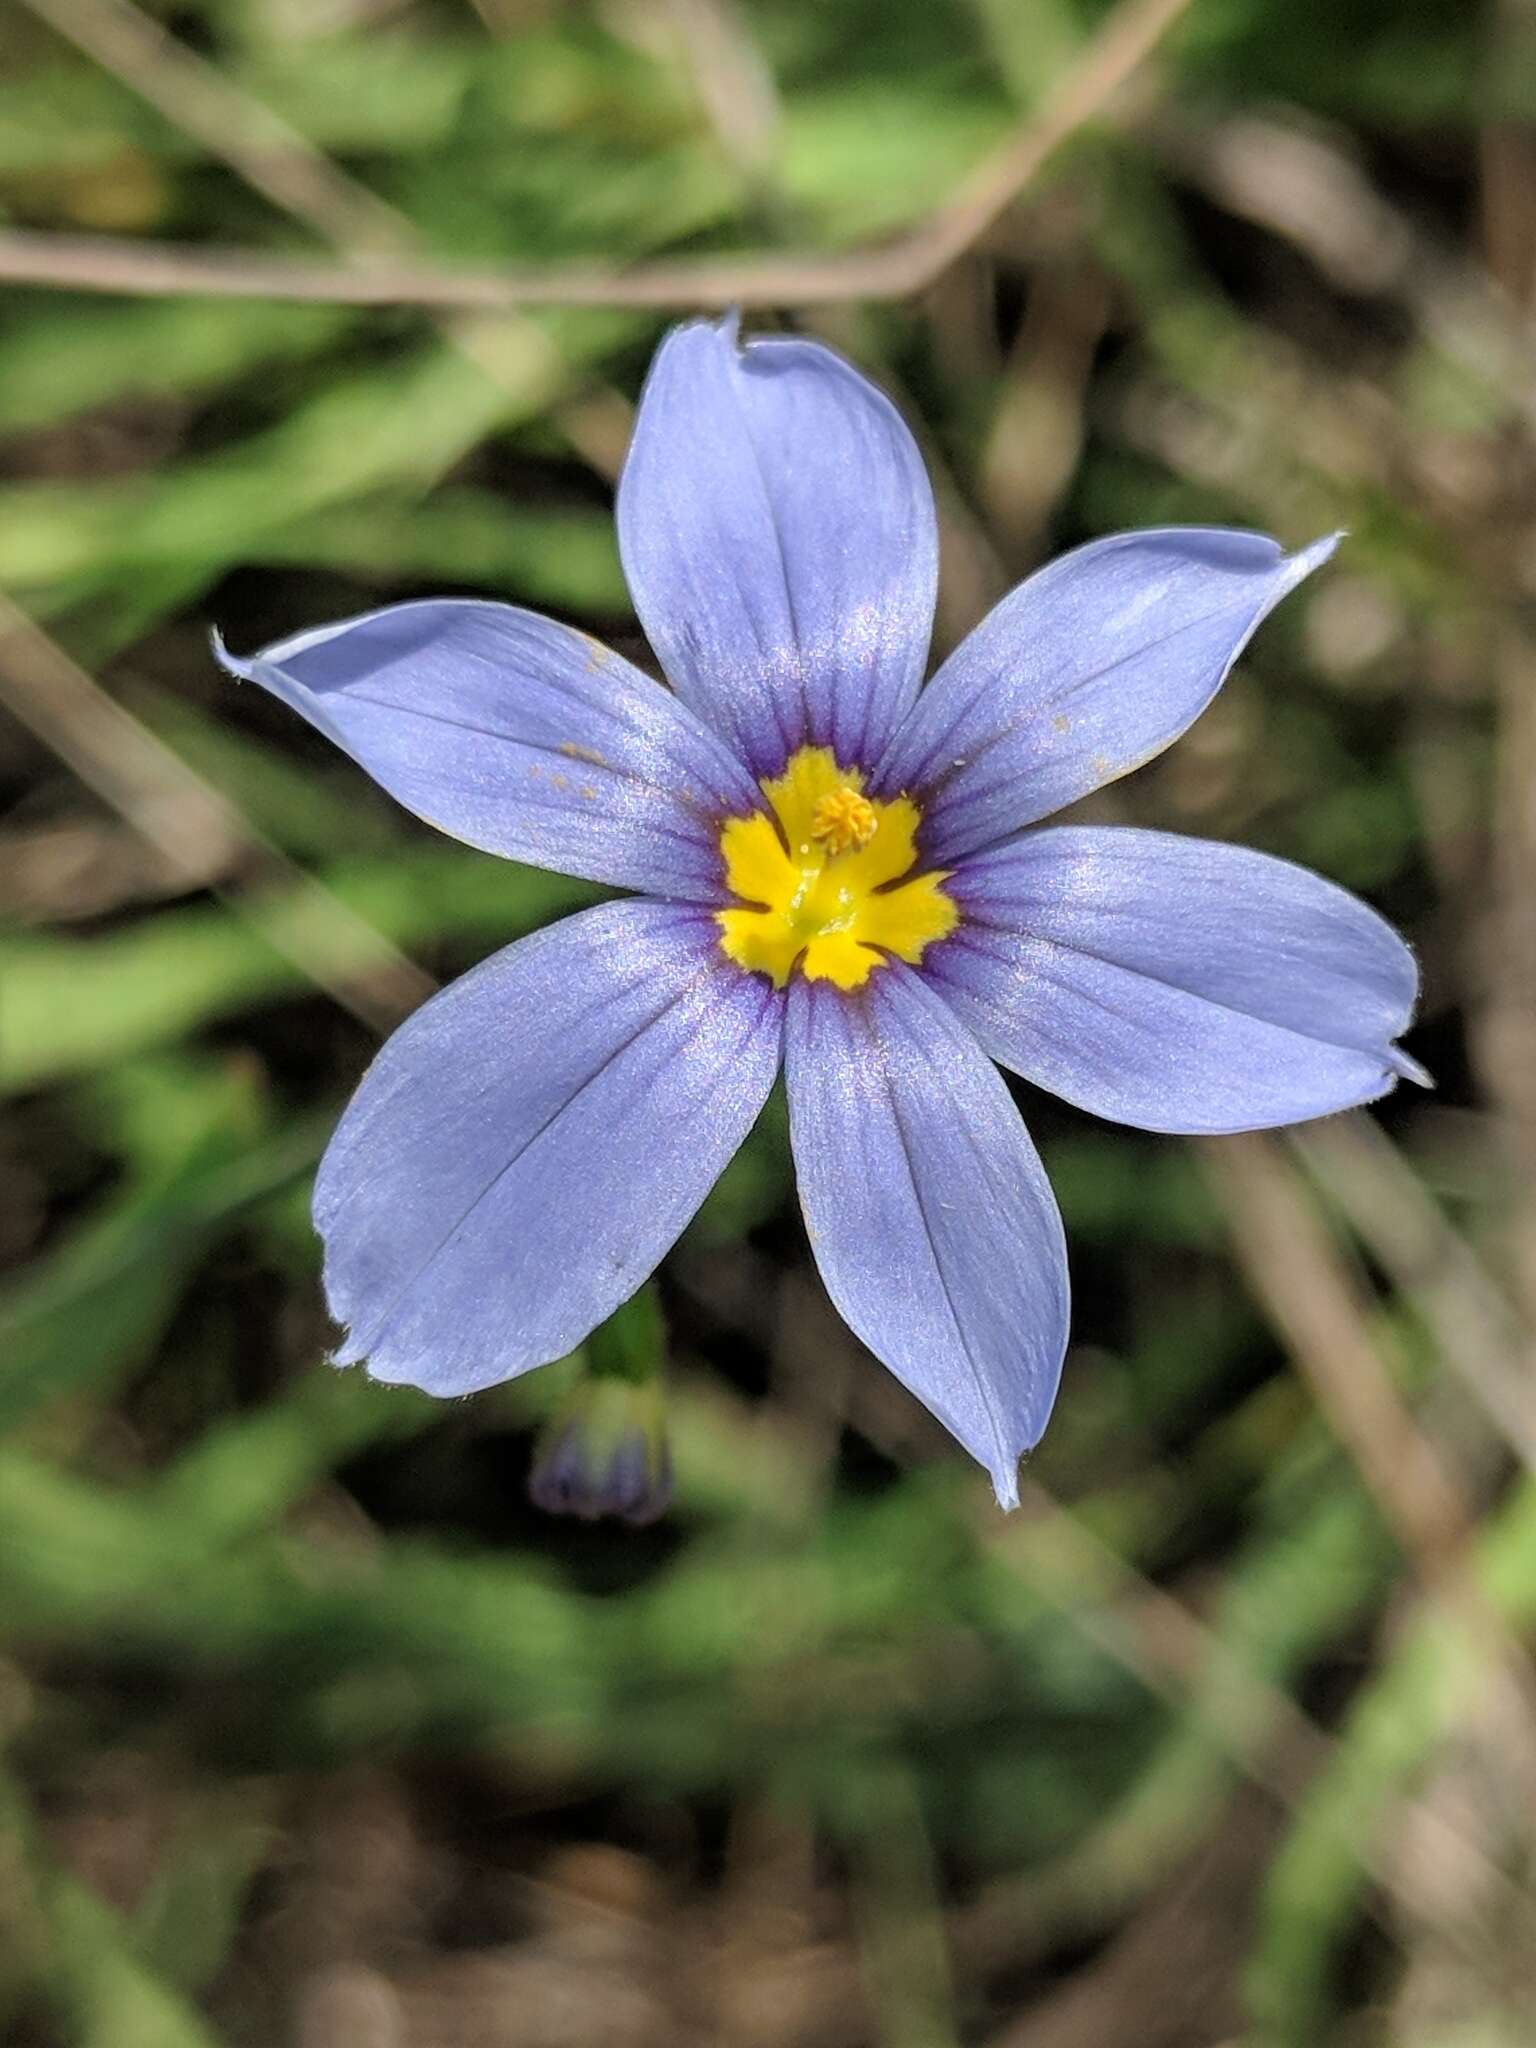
(230, 663)
(344, 1353)
(1005, 1485)
(460, 709)
(1407, 1068)
(1306, 559)
(1084, 673)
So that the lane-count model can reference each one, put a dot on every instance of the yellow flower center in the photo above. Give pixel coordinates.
(843, 821)
(825, 882)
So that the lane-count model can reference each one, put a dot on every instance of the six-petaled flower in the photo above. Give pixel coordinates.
(838, 870)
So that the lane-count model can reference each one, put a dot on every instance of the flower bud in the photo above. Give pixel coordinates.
(605, 1453)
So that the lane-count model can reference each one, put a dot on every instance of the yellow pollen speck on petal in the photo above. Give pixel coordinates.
(823, 880)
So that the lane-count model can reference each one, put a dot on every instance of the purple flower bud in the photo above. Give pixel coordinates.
(605, 1455)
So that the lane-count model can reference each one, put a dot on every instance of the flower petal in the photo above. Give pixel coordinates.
(528, 1145)
(518, 736)
(1175, 984)
(778, 534)
(1086, 671)
(928, 1209)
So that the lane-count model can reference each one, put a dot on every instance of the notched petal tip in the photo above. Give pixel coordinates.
(705, 330)
(755, 466)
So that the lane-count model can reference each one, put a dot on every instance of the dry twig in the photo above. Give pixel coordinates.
(198, 830)
(192, 94)
(1296, 1270)
(286, 168)
(1476, 1328)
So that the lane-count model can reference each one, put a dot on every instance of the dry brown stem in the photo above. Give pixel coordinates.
(197, 830)
(295, 177)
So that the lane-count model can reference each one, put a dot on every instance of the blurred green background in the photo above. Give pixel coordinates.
(312, 1729)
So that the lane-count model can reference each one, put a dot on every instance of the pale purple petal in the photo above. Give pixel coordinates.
(518, 736)
(778, 534)
(928, 1210)
(1176, 984)
(524, 1149)
(1087, 670)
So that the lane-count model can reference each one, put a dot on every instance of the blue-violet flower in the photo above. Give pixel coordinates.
(836, 868)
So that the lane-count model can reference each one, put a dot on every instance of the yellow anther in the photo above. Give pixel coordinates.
(823, 880)
(844, 821)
